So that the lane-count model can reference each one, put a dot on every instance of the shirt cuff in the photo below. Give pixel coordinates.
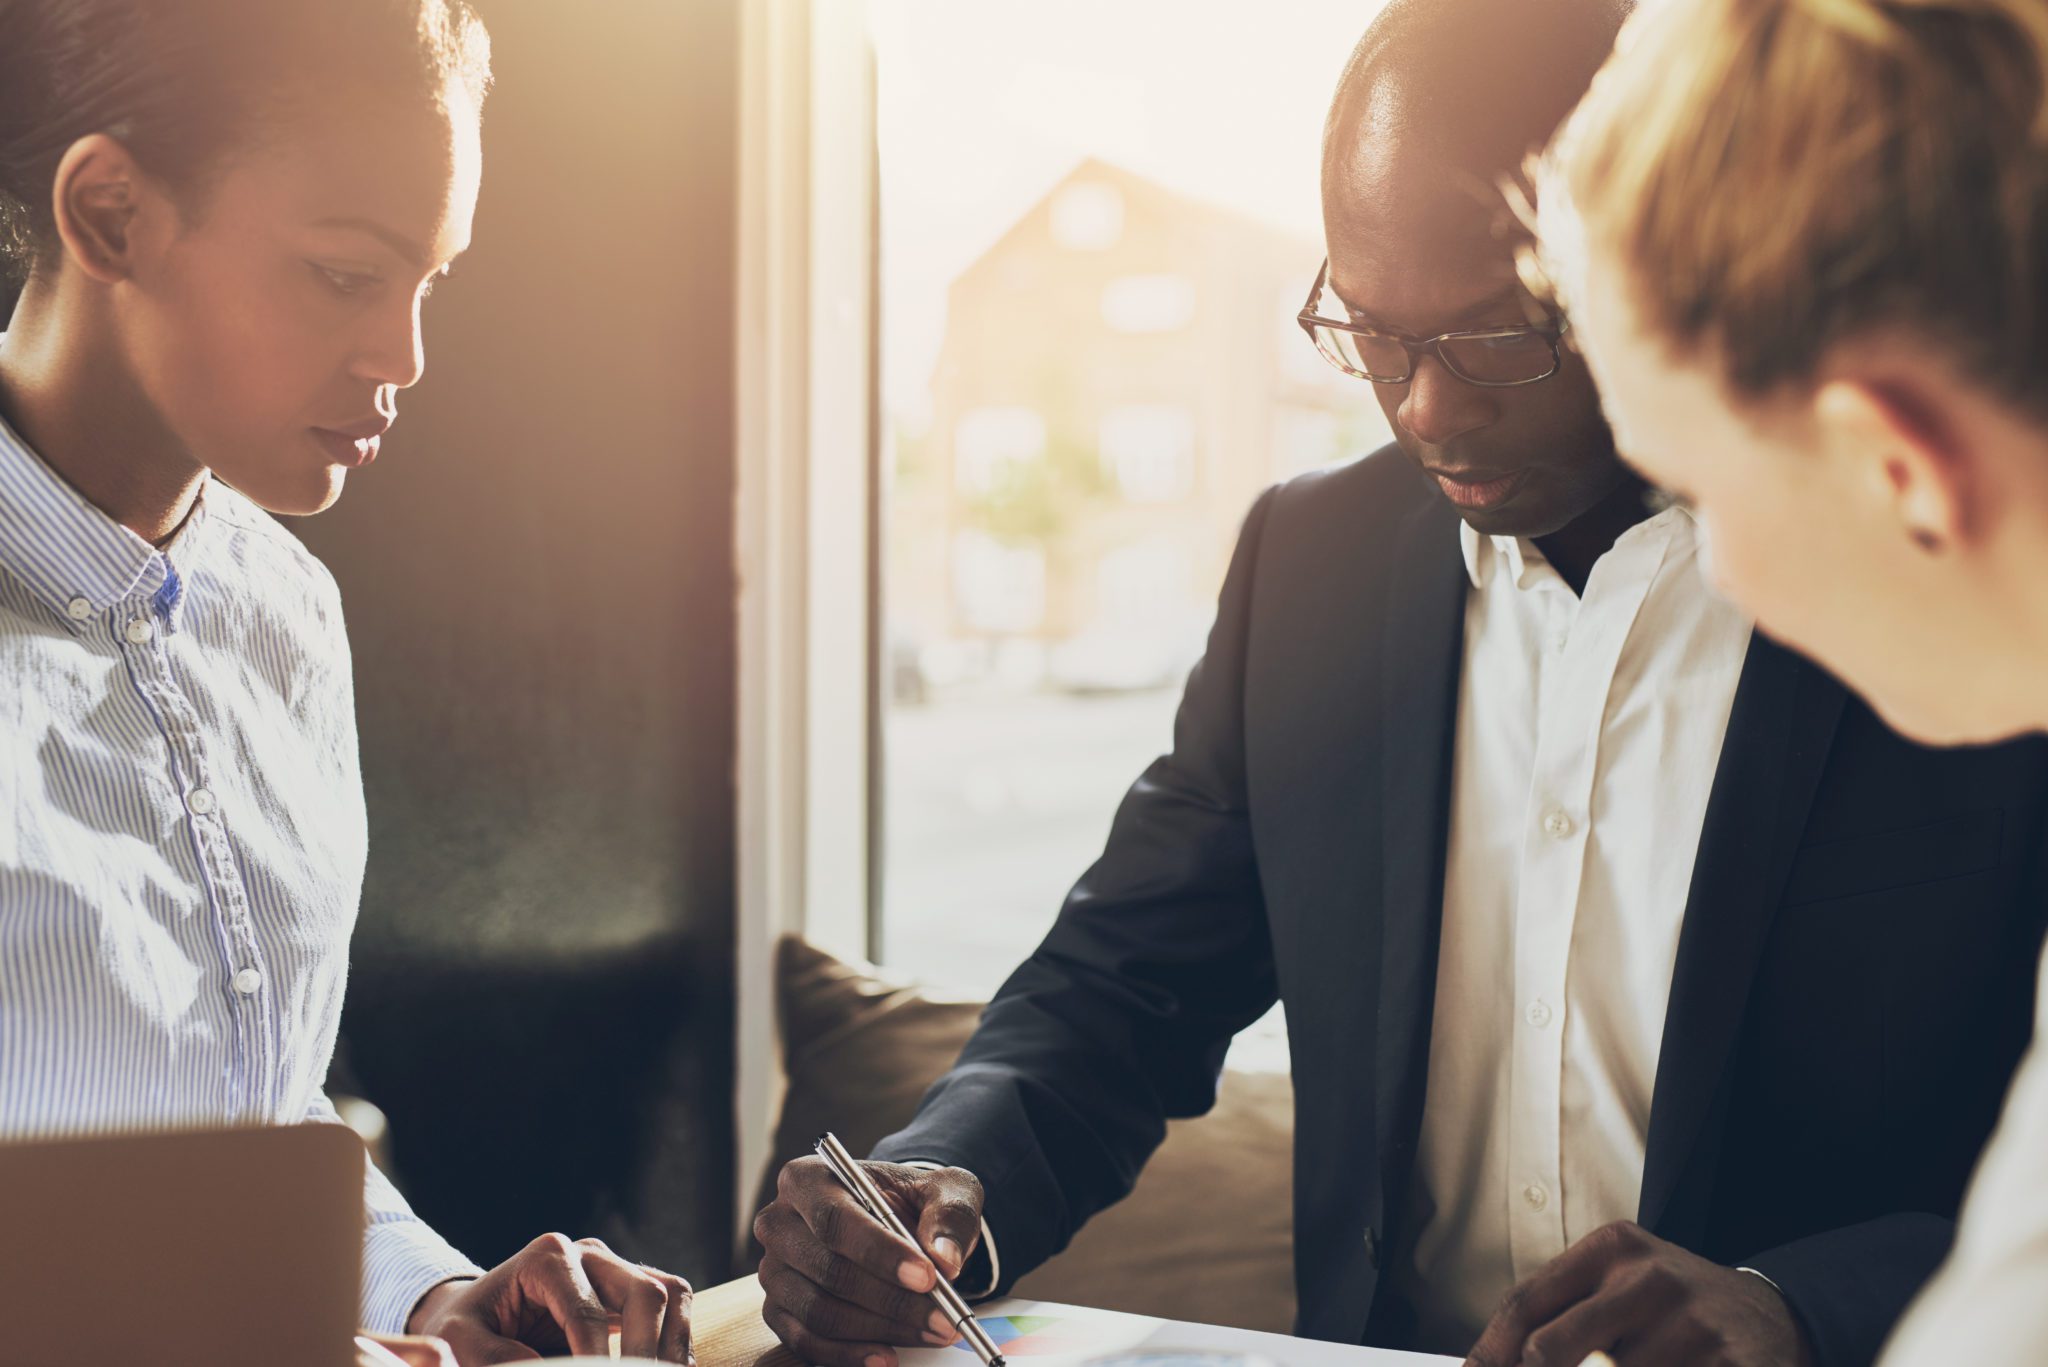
(988, 1243)
(1762, 1278)
(402, 1262)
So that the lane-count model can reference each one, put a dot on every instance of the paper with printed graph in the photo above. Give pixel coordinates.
(1041, 1334)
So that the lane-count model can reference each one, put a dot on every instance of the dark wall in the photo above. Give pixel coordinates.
(538, 577)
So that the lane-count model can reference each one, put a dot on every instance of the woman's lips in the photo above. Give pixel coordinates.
(1479, 493)
(344, 449)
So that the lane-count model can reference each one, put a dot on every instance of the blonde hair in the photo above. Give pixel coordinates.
(1779, 176)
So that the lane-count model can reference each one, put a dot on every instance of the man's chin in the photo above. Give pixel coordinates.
(1511, 520)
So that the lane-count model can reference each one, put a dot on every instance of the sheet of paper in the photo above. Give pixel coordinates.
(1040, 1334)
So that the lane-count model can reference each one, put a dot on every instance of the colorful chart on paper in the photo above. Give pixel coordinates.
(1036, 1336)
(1032, 1333)
(1040, 1334)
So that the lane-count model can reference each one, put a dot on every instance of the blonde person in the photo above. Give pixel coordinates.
(1805, 248)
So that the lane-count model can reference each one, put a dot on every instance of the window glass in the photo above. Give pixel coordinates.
(1093, 247)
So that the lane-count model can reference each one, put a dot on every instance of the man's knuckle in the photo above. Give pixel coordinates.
(831, 1318)
(828, 1222)
(794, 1178)
(1658, 1284)
(553, 1244)
(905, 1306)
(1546, 1348)
(841, 1278)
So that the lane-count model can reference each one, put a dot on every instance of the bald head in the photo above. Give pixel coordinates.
(1441, 101)
(1470, 86)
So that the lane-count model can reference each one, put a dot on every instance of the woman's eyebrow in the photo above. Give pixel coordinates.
(398, 242)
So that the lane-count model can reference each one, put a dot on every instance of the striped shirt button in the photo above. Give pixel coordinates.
(140, 630)
(79, 609)
(249, 982)
(200, 801)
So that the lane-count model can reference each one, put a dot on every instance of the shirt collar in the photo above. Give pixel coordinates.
(73, 556)
(1522, 557)
(1524, 560)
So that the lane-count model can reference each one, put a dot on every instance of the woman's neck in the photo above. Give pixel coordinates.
(66, 391)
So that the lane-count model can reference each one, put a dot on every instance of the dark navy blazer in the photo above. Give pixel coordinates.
(1851, 994)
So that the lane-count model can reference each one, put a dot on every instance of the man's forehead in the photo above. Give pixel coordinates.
(1417, 269)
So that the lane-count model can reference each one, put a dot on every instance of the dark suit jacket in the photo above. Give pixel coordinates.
(1851, 993)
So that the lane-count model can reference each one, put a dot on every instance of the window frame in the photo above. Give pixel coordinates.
(808, 769)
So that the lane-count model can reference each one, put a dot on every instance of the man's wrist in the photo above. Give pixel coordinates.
(1804, 1348)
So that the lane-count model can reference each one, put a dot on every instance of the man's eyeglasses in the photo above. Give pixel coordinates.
(1497, 357)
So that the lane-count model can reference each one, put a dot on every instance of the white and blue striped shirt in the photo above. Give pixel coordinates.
(182, 834)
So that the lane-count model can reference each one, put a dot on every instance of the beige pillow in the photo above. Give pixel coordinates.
(1207, 1234)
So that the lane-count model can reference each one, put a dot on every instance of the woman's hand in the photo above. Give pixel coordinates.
(558, 1295)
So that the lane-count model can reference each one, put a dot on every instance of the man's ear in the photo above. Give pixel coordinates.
(99, 195)
(1910, 451)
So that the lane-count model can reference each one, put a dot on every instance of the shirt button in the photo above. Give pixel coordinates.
(1558, 642)
(200, 801)
(79, 609)
(1539, 1014)
(140, 630)
(1556, 824)
(1536, 1196)
(248, 982)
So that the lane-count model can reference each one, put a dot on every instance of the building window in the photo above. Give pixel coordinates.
(1148, 303)
(1087, 216)
(988, 441)
(1000, 589)
(1150, 449)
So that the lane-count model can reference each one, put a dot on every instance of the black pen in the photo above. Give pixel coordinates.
(856, 1180)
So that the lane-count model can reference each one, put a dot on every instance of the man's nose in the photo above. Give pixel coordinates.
(1439, 407)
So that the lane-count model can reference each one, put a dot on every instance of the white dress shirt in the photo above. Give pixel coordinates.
(182, 834)
(1589, 731)
(1989, 1303)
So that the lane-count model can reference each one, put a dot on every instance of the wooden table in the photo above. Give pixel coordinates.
(726, 1329)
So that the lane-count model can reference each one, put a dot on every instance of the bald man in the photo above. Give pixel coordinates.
(1645, 993)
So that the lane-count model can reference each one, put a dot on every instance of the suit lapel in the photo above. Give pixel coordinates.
(1420, 662)
(1779, 733)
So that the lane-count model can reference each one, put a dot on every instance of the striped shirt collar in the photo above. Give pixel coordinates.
(77, 559)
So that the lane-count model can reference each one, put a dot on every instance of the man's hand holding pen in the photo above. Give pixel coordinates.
(843, 1290)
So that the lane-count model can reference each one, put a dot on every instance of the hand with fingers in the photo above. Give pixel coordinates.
(558, 1296)
(842, 1291)
(1623, 1296)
